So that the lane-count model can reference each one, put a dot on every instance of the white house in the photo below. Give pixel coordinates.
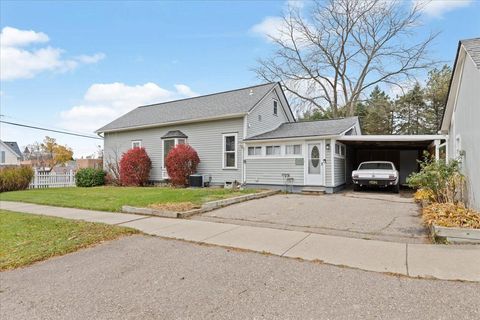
(461, 119)
(10, 154)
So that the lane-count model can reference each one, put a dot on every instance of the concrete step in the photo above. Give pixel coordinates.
(313, 191)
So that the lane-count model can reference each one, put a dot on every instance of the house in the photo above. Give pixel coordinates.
(10, 153)
(251, 136)
(462, 116)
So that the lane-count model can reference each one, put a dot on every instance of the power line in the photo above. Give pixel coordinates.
(51, 130)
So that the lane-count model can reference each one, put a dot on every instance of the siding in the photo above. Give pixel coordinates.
(269, 171)
(339, 167)
(465, 123)
(205, 137)
(328, 164)
(269, 120)
(9, 157)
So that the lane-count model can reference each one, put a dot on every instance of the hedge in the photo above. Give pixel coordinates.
(15, 178)
(89, 177)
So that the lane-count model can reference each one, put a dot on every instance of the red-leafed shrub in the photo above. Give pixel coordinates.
(181, 162)
(135, 167)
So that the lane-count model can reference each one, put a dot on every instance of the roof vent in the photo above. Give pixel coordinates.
(251, 92)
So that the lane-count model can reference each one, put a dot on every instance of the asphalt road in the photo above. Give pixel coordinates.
(151, 278)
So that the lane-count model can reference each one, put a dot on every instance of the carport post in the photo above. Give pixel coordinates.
(437, 150)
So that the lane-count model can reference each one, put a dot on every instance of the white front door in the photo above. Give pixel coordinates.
(315, 165)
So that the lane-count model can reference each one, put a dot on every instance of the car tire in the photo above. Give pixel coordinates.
(357, 187)
(396, 188)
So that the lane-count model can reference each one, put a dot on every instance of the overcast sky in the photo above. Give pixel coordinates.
(78, 65)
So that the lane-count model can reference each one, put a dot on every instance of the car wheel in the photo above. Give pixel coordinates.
(396, 188)
(356, 187)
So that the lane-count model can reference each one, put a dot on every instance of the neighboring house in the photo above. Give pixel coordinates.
(250, 135)
(10, 153)
(462, 116)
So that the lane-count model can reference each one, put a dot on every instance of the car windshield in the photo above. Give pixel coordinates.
(376, 165)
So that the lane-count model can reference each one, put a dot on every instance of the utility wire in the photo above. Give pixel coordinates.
(51, 130)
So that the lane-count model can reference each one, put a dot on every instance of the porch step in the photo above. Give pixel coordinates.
(313, 191)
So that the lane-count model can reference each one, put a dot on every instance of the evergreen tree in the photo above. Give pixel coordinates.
(378, 113)
(410, 110)
(436, 97)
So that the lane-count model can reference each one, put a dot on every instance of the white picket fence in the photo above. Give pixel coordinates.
(45, 179)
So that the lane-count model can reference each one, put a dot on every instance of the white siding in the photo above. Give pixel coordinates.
(466, 117)
(9, 158)
(269, 171)
(328, 164)
(339, 167)
(268, 121)
(204, 137)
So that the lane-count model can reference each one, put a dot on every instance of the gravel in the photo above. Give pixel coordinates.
(142, 277)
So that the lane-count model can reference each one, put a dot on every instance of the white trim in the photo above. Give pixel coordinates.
(175, 143)
(300, 138)
(332, 158)
(273, 105)
(137, 141)
(224, 135)
(420, 137)
(321, 144)
(166, 124)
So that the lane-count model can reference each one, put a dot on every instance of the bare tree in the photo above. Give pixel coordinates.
(329, 57)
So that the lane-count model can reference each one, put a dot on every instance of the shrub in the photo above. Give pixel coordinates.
(181, 162)
(15, 178)
(451, 215)
(135, 167)
(423, 194)
(442, 179)
(89, 177)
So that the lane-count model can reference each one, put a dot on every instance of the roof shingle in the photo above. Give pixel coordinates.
(473, 48)
(308, 129)
(228, 103)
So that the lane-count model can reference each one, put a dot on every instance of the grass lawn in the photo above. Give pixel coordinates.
(26, 238)
(113, 198)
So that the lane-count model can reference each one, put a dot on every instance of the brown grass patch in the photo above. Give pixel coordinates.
(175, 206)
(451, 215)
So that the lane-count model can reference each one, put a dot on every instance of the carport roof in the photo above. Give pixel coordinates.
(392, 140)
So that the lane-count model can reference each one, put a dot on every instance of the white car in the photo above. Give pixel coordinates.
(376, 173)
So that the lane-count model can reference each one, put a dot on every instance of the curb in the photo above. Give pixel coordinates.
(207, 206)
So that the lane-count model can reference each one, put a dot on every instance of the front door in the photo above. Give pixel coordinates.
(315, 167)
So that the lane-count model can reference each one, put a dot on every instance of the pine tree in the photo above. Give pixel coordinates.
(378, 110)
(410, 110)
(436, 93)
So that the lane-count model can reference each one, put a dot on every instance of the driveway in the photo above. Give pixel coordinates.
(142, 277)
(367, 215)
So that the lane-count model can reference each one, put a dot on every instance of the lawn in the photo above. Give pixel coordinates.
(113, 198)
(26, 238)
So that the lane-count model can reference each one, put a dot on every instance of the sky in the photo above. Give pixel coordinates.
(77, 65)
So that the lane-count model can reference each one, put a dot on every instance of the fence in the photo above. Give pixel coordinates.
(45, 179)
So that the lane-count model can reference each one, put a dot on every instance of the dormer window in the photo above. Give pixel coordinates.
(275, 107)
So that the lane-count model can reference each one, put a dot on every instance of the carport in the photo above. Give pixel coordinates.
(403, 150)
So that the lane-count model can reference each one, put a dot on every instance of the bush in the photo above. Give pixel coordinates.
(89, 177)
(15, 178)
(135, 167)
(181, 162)
(451, 215)
(443, 180)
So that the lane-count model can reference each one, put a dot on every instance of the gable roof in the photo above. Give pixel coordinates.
(174, 134)
(308, 129)
(472, 46)
(223, 104)
(14, 147)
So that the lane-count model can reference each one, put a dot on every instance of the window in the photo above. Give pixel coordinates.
(168, 144)
(230, 151)
(273, 150)
(254, 151)
(337, 148)
(293, 149)
(136, 144)
(180, 141)
(275, 107)
(259, 117)
(342, 150)
(2, 156)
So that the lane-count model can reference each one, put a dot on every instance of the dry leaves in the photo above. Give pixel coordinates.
(451, 215)
(175, 206)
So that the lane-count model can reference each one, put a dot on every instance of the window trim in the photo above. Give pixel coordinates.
(340, 147)
(293, 148)
(254, 149)
(137, 141)
(224, 152)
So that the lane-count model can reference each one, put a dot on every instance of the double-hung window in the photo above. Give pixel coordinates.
(275, 107)
(254, 151)
(273, 150)
(293, 149)
(230, 151)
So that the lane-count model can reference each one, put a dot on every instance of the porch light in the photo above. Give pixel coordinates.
(327, 146)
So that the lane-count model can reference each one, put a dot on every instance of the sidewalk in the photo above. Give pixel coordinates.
(414, 260)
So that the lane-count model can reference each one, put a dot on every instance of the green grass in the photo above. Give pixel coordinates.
(26, 238)
(113, 198)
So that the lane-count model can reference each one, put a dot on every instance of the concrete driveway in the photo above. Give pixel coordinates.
(367, 215)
